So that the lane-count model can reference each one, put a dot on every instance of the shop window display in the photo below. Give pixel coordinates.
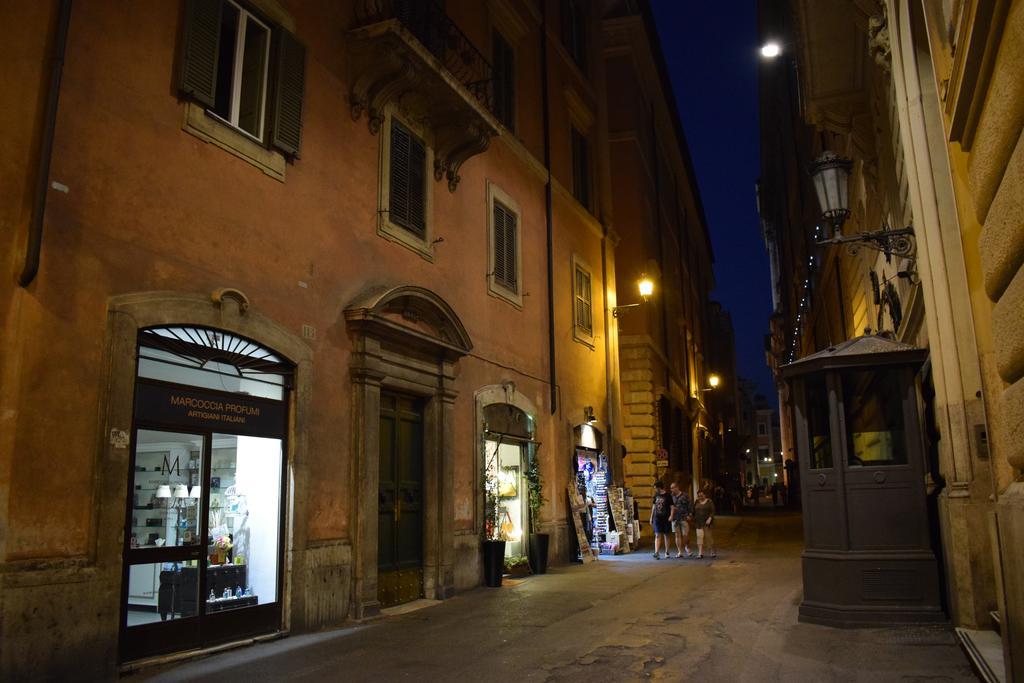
(505, 465)
(166, 491)
(244, 521)
(165, 505)
(158, 591)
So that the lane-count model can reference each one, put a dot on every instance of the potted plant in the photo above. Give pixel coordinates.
(493, 541)
(517, 566)
(539, 542)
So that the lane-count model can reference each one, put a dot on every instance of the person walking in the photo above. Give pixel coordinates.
(703, 516)
(661, 513)
(682, 509)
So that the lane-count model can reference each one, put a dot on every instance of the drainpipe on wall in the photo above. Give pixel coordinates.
(614, 456)
(547, 204)
(35, 228)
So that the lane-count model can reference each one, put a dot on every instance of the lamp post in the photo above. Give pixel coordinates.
(831, 175)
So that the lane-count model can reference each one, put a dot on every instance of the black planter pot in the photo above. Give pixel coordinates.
(539, 553)
(494, 563)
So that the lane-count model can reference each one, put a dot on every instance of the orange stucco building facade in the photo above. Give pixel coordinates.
(153, 210)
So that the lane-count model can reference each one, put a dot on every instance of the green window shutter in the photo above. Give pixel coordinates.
(289, 88)
(511, 277)
(505, 225)
(580, 168)
(503, 70)
(398, 206)
(417, 186)
(408, 181)
(578, 296)
(500, 271)
(200, 43)
(584, 319)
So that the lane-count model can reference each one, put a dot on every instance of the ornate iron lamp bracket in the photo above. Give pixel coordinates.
(890, 242)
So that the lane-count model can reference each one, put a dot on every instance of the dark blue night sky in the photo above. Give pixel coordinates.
(712, 54)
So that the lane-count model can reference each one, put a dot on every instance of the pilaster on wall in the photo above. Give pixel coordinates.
(950, 317)
(638, 399)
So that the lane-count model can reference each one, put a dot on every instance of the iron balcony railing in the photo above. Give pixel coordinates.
(440, 36)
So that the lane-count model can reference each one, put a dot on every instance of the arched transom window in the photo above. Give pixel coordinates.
(212, 359)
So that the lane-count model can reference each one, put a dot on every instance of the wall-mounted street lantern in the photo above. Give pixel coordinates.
(646, 288)
(713, 382)
(831, 175)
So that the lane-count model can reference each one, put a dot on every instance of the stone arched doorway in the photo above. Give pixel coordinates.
(406, 344)
(507, 431)
(226, 311)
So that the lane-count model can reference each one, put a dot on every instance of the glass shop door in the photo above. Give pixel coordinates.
(164, 543)
(244, 529)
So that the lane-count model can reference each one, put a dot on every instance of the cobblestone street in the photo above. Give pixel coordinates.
(627, 618)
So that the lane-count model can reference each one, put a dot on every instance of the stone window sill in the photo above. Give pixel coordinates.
(580, 336)
(508, 296)
(399, 235)
(208, 129)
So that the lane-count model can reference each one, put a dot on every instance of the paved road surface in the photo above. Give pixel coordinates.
(622, 619)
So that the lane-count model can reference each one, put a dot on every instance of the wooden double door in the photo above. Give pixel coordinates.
(400, 512)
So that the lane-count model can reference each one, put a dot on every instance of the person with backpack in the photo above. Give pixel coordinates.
(682, 511)
(661, 514)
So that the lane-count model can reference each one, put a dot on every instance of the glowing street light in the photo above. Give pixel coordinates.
(713, 382)
(771, 50)
(646, 287)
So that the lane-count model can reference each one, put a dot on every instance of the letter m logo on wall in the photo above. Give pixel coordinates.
(167, 467)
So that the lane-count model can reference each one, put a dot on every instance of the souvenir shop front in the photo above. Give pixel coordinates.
(602, 511)
(204, 522)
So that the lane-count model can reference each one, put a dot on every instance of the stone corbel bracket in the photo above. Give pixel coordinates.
(878, 41)
(454, 146)
(377, 86)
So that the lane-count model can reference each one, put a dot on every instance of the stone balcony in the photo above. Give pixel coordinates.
(409, 53)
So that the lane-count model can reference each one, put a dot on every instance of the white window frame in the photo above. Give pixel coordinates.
(579, 333)
(236, 80)
(494, 288)
(385, 228)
